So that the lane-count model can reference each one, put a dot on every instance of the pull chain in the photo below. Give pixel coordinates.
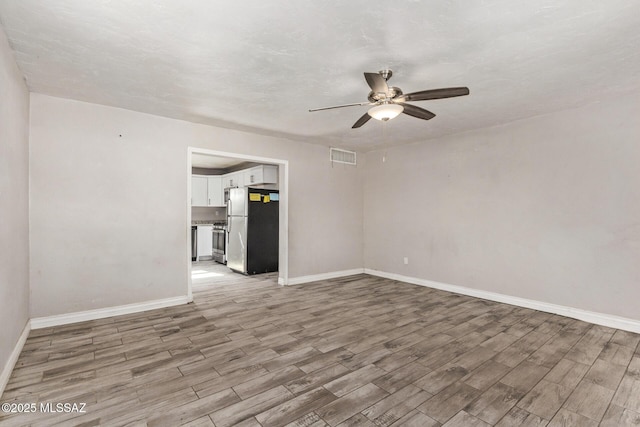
(384, 140)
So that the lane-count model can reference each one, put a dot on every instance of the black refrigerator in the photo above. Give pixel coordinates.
(252, 230)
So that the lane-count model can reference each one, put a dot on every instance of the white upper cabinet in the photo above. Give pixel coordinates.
(206, 190)
(264, 174)
(199, 190)
(233, 179)
(214, 186)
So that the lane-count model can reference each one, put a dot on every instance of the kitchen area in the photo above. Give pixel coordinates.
(234, 218)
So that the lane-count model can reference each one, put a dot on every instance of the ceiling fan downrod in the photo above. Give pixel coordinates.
(386, 74)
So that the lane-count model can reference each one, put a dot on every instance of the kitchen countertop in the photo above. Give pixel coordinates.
(207, 222)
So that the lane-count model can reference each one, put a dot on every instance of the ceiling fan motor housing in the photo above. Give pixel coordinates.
(392, 93)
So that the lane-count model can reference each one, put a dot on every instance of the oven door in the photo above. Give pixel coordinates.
(219, 245)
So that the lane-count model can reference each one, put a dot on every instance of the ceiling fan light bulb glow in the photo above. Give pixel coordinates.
(385, 112)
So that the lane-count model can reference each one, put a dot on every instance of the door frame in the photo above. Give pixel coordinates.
(283, 206)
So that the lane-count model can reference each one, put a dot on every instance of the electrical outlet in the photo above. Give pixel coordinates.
(406, 260)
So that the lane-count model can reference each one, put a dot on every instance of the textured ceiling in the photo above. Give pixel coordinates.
(260, 65)
(213, 162)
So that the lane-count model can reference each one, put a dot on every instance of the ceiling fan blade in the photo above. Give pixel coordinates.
(424, 95)
(376, 82)
(418, 112)
(362, 120)
(340, 106)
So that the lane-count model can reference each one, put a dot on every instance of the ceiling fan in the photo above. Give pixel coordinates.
(389, 101)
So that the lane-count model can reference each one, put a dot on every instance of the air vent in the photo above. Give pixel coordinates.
(342, 156)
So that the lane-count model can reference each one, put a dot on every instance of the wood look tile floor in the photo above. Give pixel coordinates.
(356, 351)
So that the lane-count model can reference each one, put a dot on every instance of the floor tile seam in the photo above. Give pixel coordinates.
(444, 388)
(387, 394)
(615, 393)
(603, 413)
(626, 369)
(594, 360)
(560, 406)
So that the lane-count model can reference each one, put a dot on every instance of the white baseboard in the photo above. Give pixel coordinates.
(13, 357)
(603, 319)
(324, 276)
(100, 313)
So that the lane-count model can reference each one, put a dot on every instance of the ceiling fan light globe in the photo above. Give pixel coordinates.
(385, 112)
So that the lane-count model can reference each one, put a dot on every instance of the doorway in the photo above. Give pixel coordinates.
(226, 158)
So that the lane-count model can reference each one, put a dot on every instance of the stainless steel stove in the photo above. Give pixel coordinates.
(219, 242)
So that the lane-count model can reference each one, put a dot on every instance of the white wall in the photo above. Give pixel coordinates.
(109, 197)
(14, 203)
(546, 208)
